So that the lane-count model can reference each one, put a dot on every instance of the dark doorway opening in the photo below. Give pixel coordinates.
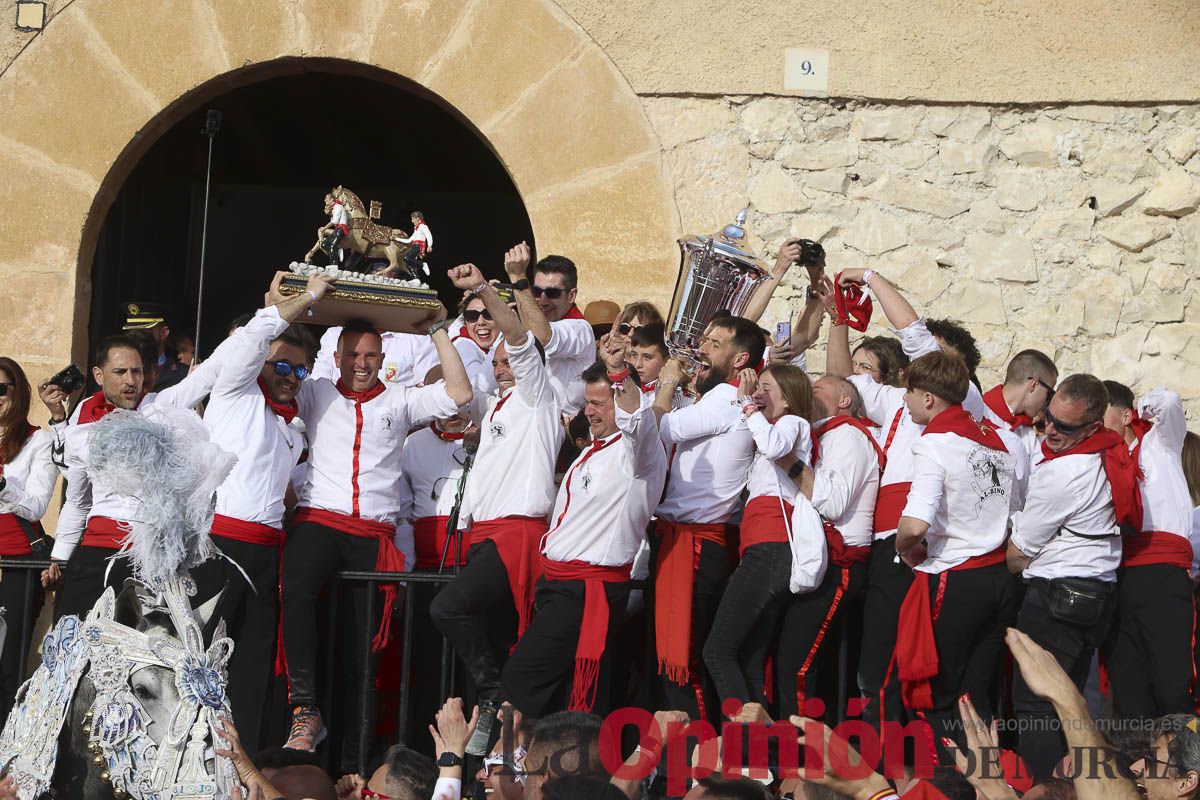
(284, 142)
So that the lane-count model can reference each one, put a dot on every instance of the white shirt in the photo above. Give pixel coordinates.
(355, 449)
(519, 438)
(407, 357)
(241, 422)
(432, 468)
(571, 350)
(476, 360)
(1068, 525)
(788, 434)
(1027, 435)
(609, 494)
(30, 478)
(846, 482)
(1195, 537)
(679, 400)
(338, 215)
(420, 234)
(711, 451)
(966, 493)
(1166, 502)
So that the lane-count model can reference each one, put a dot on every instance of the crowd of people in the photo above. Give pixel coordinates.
(604, 505)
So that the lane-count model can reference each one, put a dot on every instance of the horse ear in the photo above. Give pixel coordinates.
(128, 608)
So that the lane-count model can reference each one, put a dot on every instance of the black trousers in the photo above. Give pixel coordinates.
(83, 580)
(887, 584)
(810, 622)
(1041, 741)
(712, 573)
(476, 613)
(539, 676)
(747, 619)
(1149, 647)
(977, 606)
(251, 614)
(21, 599)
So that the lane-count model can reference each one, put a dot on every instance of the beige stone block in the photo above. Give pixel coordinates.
(985, 215)
(1059, 317)
(1103, 303)
(802, 155)
(404, 37)
(1189, 228)
(1105, 114)
(1104, 255)
(1182, 146)
(145, 38)
(972, 125)
(711, 178)
(1002, 258)
(1154, 307)
(1134, 234)
(974, 302)
(272, 29)
(1176, 194)
(770, 119)
(678, 120)
(54, 201)
(919, 196)
(1118, 159)
(918, 275)
(26, 335)
(938, 119)
(1112, 197)
(939, 238)
(1032, 145)
(835, 181)
(774, 190)
(813, 226)
(961, 157)
(1119, 358)
(1064, 223)
(894, 123)
(908, 156)
(1181, 340)
(873, 232)
(1017, 190)
(579, 219)
(598, 123)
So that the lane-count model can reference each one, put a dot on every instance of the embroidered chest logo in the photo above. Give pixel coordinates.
(387, 421)
(988, 468)
(586, 480)
(391, 372)
(496, 430)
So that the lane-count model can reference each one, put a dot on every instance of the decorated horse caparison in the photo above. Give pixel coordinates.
(361, 235)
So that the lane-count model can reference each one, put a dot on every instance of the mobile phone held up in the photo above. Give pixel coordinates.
(783, 332)
(69, 379)
(506, 292)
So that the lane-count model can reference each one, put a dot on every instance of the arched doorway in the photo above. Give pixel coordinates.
(284, 141)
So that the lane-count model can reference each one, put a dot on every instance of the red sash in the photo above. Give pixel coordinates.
(994, 399)
(840, 553)
(249, 532)
(388, 558)
(763, 521)
(13, 541)
(916, 648)
(593, 632)
(1156, 547)
(104, 532)
(430, 536)
(517, 540)
(674, 575)
(889, 505)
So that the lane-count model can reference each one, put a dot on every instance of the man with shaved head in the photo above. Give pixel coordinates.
(1026, 391)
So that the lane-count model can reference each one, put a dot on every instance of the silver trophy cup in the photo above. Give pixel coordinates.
(715, 273)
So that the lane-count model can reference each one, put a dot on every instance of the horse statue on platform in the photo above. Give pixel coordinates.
(351, 227)
(127, 702)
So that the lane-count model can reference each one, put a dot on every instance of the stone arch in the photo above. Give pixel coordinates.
(105, 78)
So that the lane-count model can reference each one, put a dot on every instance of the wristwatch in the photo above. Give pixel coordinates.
(521, 285)
(796, 470)
(439, 326)
(449, 759)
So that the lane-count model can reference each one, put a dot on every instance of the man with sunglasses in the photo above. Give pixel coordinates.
(547, 307)
(350, 504)
(1027, 388)
(1171, 770)
(1148, 652)
(1066, 545)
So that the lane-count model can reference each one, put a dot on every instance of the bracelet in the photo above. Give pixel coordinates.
(618, 377)
(478, 289)
(313, 295)
(749, 407)
(867, 277)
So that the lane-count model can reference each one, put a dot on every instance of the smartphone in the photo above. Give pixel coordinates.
(783, 332)
(69, 379)
(506, 292)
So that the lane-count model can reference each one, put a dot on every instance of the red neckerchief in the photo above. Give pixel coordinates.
(1121, 467)
(650, 387)
(994, 398)
(837, 422)
(597, 446)
(361, 397)
(853, 304)
(500, 404)
(956, 420)
(286, 411)
(462, 334)
(95, 408)
(447, 436)
(1140, 428)
(574, 313)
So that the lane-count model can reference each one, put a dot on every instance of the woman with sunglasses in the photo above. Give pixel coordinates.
(27, 477)
(475, 337)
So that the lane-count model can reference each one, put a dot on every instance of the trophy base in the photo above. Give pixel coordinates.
(389, 307)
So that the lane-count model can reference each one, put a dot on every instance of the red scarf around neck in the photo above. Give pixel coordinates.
(286, 411)
(574, 313)
(838, 421)
(95, 408)
(363, 396)
(956, 420)
(1121, 467)
(447, 436)
(994, 398)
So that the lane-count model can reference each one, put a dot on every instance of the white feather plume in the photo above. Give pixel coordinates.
(165, 460)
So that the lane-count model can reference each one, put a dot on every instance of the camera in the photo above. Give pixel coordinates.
(69, 379)
(811, 253)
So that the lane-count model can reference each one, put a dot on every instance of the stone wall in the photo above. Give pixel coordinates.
(1070, 229)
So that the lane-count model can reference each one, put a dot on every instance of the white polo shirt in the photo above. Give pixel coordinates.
(407, 357)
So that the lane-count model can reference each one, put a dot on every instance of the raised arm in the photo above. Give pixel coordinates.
(670, 377)
(516, 266)
(788, 254)
(468, 278)
(1165, 409)
(898, 310)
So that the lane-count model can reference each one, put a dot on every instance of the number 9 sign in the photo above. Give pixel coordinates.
(806, 70)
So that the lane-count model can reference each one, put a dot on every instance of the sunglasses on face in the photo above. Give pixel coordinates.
(553, 292)
(1059, 425)
(284, 368)
(1049, 389)
(1153, 761)
(4, 388)
(472, 315)
(626, 328)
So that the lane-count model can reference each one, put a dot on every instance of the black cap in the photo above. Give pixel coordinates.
(143, 315)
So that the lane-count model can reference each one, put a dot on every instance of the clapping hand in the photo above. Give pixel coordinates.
(452, 730)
